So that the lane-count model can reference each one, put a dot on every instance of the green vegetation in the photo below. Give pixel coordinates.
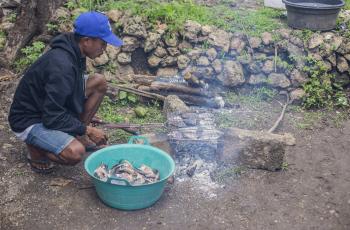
(30, 54)
(309, 119)
(347, 5)
(2, 39)
(175, 13)
(320, 92)
(254, 103)
(11, 17)
(51, 27)
(118, 136)
(254, 96)
(283, 64)
(118, 112)
(304, 34)
(285, 166)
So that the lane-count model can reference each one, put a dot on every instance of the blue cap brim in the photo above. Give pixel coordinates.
(112, 39)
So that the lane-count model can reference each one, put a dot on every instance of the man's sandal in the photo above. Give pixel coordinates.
(45, 170)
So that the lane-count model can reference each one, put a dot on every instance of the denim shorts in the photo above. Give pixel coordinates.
(53, 141)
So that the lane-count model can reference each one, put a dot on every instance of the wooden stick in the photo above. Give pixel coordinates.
(171, 87)
(275, 62)
(137, 92)
(273, 128)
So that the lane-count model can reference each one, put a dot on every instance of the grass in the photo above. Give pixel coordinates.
(175, 13)
(347, 5)
(118, 112)
(253, 98)
(256, 109)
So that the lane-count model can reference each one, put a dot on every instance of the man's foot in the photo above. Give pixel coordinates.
(40, 164)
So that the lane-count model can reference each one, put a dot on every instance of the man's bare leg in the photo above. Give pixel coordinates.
(96, 88)
(71, 155)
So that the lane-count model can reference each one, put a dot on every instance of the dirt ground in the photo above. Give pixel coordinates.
(313, 192)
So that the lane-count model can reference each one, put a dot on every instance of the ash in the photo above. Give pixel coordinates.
(198, 171)
(196, 143)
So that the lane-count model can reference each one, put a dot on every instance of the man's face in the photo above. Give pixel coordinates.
(93, 47)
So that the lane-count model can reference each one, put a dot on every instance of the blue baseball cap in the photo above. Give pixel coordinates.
(96, 25)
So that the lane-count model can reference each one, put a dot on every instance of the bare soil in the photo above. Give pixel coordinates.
(312, 192)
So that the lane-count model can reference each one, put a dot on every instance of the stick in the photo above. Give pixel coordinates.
(273, 128)
(138, 92)
(275, 62)
(170, 87)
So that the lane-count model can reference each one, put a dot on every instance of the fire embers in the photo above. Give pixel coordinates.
(125, 170)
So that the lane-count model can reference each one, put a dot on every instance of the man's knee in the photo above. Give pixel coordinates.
(73, 153)
(100, 82)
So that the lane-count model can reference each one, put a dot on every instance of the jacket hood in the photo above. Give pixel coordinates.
(68, 43)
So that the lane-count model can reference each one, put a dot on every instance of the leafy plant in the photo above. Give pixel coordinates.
(320, 91)
(11, 17)
(51, 27)
(126, 97)
(31, 53)
(2, 39)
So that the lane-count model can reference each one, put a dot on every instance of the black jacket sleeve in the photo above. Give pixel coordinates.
(59, 86)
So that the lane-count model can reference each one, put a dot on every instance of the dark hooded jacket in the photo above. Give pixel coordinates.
(52, 90)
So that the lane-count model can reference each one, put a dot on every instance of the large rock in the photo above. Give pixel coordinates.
(112, 52)
(169, 61)
(298, 78)
(232, 74)
(135, 27)
(173, 51)
(297, 96)
(171, 40)
(160, 52)
(152, 41)
(130, 44)
(237, 44)
(182, 61)
(124, 58)
(257, 79)
(191, 30)
(220, 39)
(217, 66)
(211, 54)
(255, 42)
(342, 64)
(185, 47)
(195, 53)
(154, 61)
(255, 149)
(101, 60)
(268, 67)
(315, 40)
(203, 61)
(296, 53)
(167, 71)
(173, 103)
(203, 72)
(115, 15)
(278, 80)
(266, 38)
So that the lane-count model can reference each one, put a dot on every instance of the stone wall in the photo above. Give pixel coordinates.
(204, 54)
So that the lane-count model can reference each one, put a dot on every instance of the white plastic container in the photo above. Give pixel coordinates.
(278, 4)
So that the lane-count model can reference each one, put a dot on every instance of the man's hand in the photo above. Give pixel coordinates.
(96, 135)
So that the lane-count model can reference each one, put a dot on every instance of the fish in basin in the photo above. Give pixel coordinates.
(102, 172)
(126, 171)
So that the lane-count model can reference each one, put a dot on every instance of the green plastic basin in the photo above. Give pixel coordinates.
(129, 197)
